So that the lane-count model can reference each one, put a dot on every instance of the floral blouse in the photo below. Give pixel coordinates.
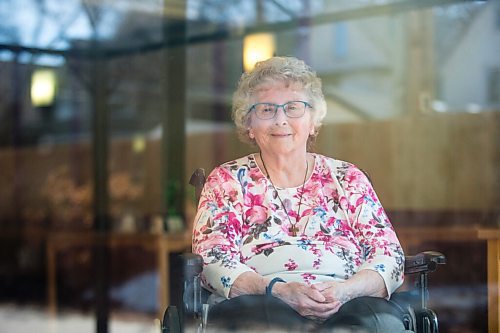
(241, 226)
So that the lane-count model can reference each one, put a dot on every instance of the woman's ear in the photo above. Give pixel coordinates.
(312, 132)
(250, 133)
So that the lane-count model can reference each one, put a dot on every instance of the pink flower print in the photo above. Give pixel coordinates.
(308, 277)
(330, 223)
(233, 223)
(323, 178)
(224, 174)
(254, 200)
(344, 203)
(353, 176)
(256, 175)
(331, 193)
(316, 251)
(209, 242)
(233, 195)
(228, 222)
(229, 191)
(291, 265)
(310, 190)
(267, 248)
(256, 214)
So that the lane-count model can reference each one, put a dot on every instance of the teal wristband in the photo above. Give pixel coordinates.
(270, 286)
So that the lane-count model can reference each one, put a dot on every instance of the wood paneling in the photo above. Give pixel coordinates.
(432, 162)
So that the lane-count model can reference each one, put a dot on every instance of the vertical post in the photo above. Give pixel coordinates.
(420, 62)
(173, 144)
(16, 104)
(174, 115)
(304, 33)
(424, 292)
(100, 168)
(493, 264)
(15, 134)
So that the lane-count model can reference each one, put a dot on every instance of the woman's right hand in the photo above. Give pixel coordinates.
(307, 301)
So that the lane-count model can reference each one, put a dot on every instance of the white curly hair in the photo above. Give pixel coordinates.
(289, 70)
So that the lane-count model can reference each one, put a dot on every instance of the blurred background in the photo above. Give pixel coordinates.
(107, 106)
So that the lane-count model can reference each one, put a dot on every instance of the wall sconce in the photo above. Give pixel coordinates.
(43, 87)
(138, 144)
(257, 47)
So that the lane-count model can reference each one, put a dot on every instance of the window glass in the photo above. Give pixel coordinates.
(107, 107)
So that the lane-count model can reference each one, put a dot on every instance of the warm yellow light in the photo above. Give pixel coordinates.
(257, 47)
(138, 144)
(43, 87)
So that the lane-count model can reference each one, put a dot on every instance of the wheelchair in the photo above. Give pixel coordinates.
(191, 314)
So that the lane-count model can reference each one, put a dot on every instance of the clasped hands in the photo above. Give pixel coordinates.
(317, 302)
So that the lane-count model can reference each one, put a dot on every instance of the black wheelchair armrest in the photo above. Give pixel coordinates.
(192, 264)
(176, 316)
(192, 291)
(424, 262)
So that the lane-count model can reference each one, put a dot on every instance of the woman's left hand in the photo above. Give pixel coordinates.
(334, 292)
(363, 283)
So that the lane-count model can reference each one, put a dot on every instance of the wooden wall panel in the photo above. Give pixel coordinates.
(427, 162)
(433, 162)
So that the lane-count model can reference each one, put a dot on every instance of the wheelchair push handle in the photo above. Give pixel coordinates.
(193, 263)
(424, 262)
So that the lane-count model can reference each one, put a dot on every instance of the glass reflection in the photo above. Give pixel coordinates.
(413, 96)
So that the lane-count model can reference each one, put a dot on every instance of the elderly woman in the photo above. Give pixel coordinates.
(290, 237)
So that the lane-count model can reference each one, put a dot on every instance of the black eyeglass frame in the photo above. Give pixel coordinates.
(277, 106)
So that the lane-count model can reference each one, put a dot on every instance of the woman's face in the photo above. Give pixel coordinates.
(281, 134)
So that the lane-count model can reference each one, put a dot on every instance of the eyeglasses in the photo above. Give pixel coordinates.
(292, 109)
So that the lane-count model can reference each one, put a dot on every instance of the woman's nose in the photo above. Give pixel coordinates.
(280, 118)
